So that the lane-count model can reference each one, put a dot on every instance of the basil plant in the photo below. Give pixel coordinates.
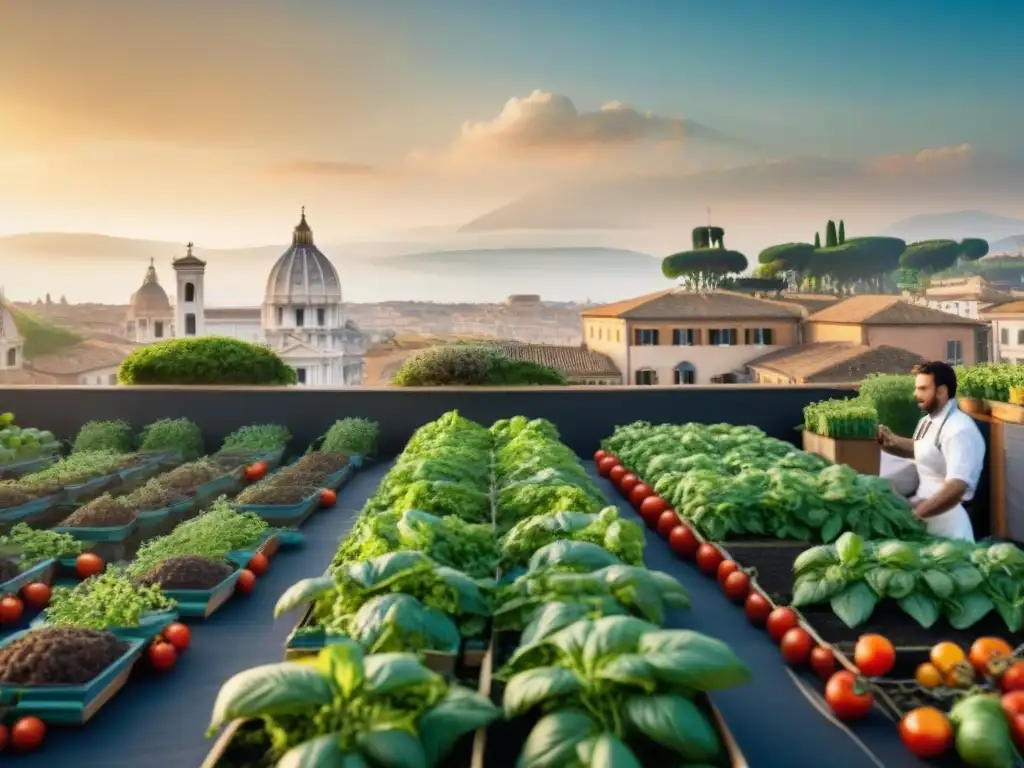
(344, 708)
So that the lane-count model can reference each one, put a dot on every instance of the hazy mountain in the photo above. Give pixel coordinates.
(777, 201)
(1013, 244)
(496, 262)
(957, 225)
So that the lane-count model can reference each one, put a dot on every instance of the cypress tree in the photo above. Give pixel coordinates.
(817, 240)
(842, 232)
(831, 240)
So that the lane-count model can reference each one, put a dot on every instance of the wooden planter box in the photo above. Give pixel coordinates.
(974, 405)
(1011, 414)
(864, 456)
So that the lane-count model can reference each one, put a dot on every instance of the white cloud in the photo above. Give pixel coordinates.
(934, 159)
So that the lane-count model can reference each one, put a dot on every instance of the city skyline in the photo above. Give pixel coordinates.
(128, 120)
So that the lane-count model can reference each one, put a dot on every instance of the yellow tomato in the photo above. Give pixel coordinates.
(928, 676)
(945, 656)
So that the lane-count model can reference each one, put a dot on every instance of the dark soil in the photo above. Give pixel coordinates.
(103, 512)
(59, 656)
(187, 572)
(186, 479)
(9, 568)
(273, 493)
(152, 496)
(229, 461)
(773, 570)
(328, 463)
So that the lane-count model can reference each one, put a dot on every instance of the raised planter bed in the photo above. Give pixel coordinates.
(224, 485)
(109, 542)
(69, 704)
(30, 509)
(22, 468)
(284, 515)
(498, 746)
(43, 573)
(158, 521)
(203, 603)
(90, 489)
(150, 625)
(1008, 412)
(973, 406)
(864, 456)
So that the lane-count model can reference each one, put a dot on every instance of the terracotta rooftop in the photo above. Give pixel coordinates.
(885, 310)
(835, 362)
(1014, 307)
(679, 304)
(812, 302)
(575, 361)
(87, 355)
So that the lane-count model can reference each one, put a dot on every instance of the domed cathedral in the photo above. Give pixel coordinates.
(12, 344)
(303, 316)
(150, 314)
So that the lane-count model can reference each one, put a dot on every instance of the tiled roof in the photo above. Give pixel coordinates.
(812, 302)
(574, 361)
(679, 304)
(885, 310)
(835, 362)
(1014, 307)
(87, 355)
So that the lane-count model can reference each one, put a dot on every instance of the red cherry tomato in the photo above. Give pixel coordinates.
(796, 646)
(328, 498)
(598, 455)
(178, 635)
(87, 564)
(37, 595)
(668, 521)
(259, 564)
(709, 557)
(846, 698)
(162, 655)
(640, 492)
(725, 568)
(28, 733)
(617, 473)
(11, 609)
(604, 466)
(683, 541)
(757, 607)
(780, 621)
(628, 483)
(823, 662)
(246, 582)
(736, 586)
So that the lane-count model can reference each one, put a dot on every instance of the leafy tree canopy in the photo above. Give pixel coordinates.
(792, 256)
(931, 256)
(973, 248)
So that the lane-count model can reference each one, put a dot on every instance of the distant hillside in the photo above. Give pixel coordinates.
(957, 225)
(1013, 244)
(55, 246)
(507, 260)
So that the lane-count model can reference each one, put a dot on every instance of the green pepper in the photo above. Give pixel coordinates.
(982, 732)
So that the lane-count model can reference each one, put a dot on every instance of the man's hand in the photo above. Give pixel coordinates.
(886, 438)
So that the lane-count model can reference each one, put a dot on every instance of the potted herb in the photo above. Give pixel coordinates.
(994, 383)
(843, 432)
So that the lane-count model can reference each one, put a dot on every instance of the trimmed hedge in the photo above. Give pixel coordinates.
(472, 365)
(205, 360)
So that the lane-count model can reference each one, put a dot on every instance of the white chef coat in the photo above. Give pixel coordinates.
(948, 446)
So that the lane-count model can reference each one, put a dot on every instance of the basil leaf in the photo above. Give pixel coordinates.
(321, 752)
(459, 713)
(527, 690)
(969, 610)
(854, 604)
(688, 659)
(941, 585)
(922, 608)
(271, 689)
(392, 748)
(676, 723)
(553, 740)
(606, 751)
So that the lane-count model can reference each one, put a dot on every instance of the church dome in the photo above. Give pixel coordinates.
(303, 275)
(151, 299)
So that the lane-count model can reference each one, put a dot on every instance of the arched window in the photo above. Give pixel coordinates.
(685, 373)
(646, 377)
(12, 357)
(190, 324)
(190, 291)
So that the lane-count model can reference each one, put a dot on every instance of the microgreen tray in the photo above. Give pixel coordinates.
(343, 475)
(283, 514)
(268, 544)
(273, 458)
(21, 468)
(42, 572)
(152, 518)
(214, 488)
(69, 704)
(201, 603)
(29, 508)
(90, 533)
(73, 493)
(150, 625)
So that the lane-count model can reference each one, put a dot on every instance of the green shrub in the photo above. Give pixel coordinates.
(114, 436)
(256, 438)
(842, 419)
(205, 360)
(352, 436)
(892, 396)
(989, 381)
(472, 365)
(179, 435)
